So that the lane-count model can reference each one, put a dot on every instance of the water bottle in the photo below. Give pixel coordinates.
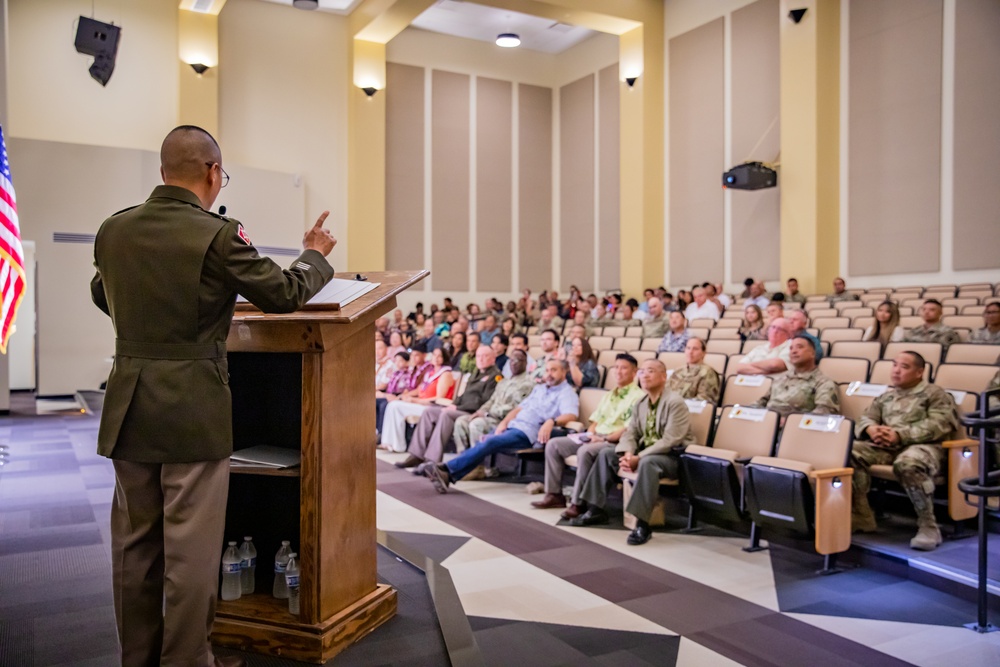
(231, 573)
(280, 563)
(248, 566)
(292, 578)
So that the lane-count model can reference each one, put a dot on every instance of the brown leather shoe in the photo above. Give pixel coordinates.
(410, 462)
(574, 511)
(230, 661)
(550, 501)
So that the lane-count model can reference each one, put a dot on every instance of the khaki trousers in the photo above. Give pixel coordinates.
(167, 523)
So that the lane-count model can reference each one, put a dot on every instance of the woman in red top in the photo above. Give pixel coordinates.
(438, 387)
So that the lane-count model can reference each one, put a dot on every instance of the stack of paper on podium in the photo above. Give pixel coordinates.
(335, 295)
(266, 456)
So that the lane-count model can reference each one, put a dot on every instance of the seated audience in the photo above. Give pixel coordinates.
(467, 363)
(441, 327)
(583, 371)
(582, 319)
(702, 307)
(439, 383)
(461, 324)
(599, 316)
(696, 380)
(802, 388)
(628, 314)
(840, 292)
(406, 334)
(990, 333)
(575, 331)
(456, 348)
(656, 323)
(499, 345)
(752, 327)
(470, 429)
(395, 344)
(774, 310)
(886, 328)
(398, 383)
(772, 358)
(684, 299)
(429, 339)
(676, 338)
(488, 329)
(717, 296)
(904, 428)
(384, 365)
(792, 292)
(518, 341)
(382, 328)
(798, 322)
(437, 423)
(757, 295)
(549, 342)
(931, 331)
(550, 319)
(660, 422)
(647, 294)
(607, 423)
(508, 326)
(747, 284)
(550, 404)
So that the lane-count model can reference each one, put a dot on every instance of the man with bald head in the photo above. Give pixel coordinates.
(701, 307)
(168, 273)
(772, 358)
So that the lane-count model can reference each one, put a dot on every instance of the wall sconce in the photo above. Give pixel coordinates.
(370, 90)
(630, 80)
(199, 68)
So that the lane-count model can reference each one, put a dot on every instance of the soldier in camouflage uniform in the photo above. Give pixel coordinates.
(932, 331)
(658, 323)
(840, 292)
(802, 388)
(902, 427)
(990, 333)
(507, 396)
(696, 380)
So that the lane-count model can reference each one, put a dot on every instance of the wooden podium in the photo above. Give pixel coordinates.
(305, 381)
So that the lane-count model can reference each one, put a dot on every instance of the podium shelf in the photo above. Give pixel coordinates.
(264, 471)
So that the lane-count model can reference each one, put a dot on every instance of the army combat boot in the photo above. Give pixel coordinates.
(862, 517)
(928, 535)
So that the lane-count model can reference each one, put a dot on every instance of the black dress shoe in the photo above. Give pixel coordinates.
(410, 462)
(594, 516)
(640, 534)
(230, 661)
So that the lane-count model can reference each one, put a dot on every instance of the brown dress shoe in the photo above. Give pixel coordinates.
(574, 511)
(410, 462)
(550, 501)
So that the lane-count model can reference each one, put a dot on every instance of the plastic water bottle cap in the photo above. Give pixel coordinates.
(232, 544)
(247, 538)
(285, 543)
(293, 555)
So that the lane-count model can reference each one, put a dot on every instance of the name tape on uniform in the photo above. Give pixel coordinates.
(823, 423)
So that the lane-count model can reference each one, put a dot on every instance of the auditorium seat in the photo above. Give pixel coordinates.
(744, 389)
(633, 332)
(973, 310)
(971, 353)
(628, 343)
(613, 332)
(834, 335)
(672, 360)
(728, 323)
(751, 344)
(853, 311)
(973, 378)
(717, 362)
(703, 322)
(643, 355)
(931, 352)
(854, 400)
(880, 373)
(724, 333)
(821, 323)
(963, 321)
(841, 369)
(728, 347)
(598, 343)
(806, 486)
(699, 332)
(870, 350)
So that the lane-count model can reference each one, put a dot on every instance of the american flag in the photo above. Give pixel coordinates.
(11, 254)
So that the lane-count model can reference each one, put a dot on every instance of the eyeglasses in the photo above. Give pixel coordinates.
(225, 176)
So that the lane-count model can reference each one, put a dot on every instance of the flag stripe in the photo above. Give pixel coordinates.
(12, 277)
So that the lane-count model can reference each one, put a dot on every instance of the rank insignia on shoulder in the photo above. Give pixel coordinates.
(242, 233)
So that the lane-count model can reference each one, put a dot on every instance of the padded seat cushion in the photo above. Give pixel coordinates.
(571, 460)
(712, 452)
(787, 464)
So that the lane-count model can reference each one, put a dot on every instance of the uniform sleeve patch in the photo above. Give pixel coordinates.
(303, 266)
(242, 233)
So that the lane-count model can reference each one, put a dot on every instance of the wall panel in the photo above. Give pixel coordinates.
(894, 146)
(576, 191)
(534, 187)
(977, 134)
(494, 118)
(450, 181)
(756, 136)
(404, 167)
(696, 81)
(608, 213)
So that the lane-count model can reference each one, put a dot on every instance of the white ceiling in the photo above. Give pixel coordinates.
(479, 22)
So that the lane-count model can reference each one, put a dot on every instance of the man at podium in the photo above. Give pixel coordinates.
(168, 272)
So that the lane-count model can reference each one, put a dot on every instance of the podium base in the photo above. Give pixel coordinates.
(260, 624)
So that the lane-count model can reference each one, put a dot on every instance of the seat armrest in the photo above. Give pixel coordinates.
(831, 472)
(964, 442)
(577, 427)
(743, 459)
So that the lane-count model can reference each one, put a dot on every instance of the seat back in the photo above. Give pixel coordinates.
(650, 344)
(734, 361)
(971, 353)
(613, 331)
(672, 360)
(739, 391)
(601, 342)
(931, 352)
(462, 383)
(748, 438)
(870, 350)
(716, 361)
(910, 321)
(964, 377)
(831, 322)
(702, 420)
(842, 369)
(643, 355)
(607, 357)
(702, 322)
(821, 449)
(726, 347)
(699, 332)
(835, 335)
(724, 333)
(590, 397)
(855, 310)
(751, 344)
(881, 371)
(853, 402)
(628, 343)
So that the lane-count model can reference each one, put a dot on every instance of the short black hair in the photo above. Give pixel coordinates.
(419, 347)
(551, 331)
(918, 358)
(504, 340)
(522, 336)
(791, 279)
(748, 282)
(778, 296)
(935, 302)
(404, 354)
(625, 356)
(632, 303)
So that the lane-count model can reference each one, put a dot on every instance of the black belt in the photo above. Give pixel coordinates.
(170, 351)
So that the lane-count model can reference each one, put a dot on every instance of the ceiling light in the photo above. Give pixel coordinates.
(508, 40)
(305, 4)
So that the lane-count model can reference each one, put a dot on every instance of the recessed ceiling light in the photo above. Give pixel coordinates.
(508, 40)
(305, 4)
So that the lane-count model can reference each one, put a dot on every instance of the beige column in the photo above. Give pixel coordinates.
(810, 144)
(198, 44)
(366, 159)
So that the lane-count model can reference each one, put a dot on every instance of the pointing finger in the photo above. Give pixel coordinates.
(321, 219)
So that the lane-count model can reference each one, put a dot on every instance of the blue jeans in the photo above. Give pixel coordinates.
(467, 461)
(380, 405)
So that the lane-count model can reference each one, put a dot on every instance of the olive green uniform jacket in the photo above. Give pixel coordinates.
(168, 273)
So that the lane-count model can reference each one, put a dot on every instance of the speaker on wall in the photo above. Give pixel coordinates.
(100, 40)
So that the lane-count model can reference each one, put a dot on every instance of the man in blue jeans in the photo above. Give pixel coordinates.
(552, 403)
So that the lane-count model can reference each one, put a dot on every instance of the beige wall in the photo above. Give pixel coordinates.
(576, 183)
(494, 184)
(283, 82)
(404, 167)
(535, 178)
(51, 93)
(450, 167)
